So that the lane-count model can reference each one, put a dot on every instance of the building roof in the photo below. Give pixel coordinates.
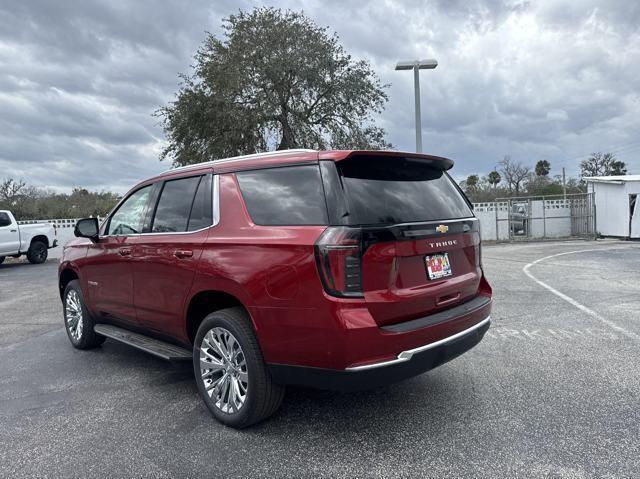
(619, 179)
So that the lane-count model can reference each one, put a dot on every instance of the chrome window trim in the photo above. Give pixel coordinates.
(407, 355)
(216, 213)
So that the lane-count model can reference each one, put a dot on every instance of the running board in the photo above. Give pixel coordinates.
(158, 348)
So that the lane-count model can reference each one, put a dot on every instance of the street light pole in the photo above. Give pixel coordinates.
(416, 66)
(416, 87)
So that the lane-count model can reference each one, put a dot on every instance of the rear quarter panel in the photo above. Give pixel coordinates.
(272, 271)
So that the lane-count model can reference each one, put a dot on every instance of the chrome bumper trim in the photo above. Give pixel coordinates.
(407, 355)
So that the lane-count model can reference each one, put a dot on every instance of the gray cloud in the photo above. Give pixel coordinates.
(554, 79)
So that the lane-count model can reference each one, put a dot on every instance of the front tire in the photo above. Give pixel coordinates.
(77, 320)
(232, 378)
(37, 253)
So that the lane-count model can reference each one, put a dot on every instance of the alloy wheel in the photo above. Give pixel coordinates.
(73, 314)
(223, 368)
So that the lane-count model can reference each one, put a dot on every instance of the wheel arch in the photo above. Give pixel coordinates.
(42, 238)
(67, 274)
(208, 301)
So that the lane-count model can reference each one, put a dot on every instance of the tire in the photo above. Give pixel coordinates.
(37, 253)
(232, 329)
(2, 259)
(79, 329)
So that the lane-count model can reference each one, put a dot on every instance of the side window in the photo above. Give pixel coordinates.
(202, 209)
(174, 206)
(4, 220)
(291, 195)
(129, 217)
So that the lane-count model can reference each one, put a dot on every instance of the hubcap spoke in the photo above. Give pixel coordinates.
(214, 365)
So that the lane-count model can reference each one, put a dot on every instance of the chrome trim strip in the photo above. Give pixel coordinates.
(216, 216)
(437, 222)
(407, 355)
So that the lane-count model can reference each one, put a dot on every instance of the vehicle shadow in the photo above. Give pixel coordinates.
(432, 399)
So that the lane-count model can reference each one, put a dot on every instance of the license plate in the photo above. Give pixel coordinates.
(438, 265)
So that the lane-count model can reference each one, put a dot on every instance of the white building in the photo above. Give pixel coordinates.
(617, 209)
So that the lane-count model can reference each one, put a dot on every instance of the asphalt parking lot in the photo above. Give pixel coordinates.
(553, 391)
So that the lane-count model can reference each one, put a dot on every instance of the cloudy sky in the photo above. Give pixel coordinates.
(555, 80)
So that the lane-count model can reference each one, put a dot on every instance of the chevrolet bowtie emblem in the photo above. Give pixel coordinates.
(442, 228)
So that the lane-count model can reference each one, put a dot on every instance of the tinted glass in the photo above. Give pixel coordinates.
(284, 196)
(4, 220)
(130, 215)
(399, 190)
(202, 210)
(172, 213)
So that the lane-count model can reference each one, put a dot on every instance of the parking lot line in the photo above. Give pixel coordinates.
(572, 301)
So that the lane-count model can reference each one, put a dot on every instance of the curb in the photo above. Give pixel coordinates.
(23, 260)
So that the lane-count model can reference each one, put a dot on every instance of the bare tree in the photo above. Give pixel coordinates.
(602, 164)
(11, 188)
(514, 174)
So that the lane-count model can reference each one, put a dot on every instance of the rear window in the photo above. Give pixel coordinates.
(289, 196)
(399, 190)
(4, 220)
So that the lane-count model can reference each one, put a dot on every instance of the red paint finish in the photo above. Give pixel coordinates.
(272, 272)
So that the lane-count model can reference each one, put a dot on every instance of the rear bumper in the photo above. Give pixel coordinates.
(407, 364)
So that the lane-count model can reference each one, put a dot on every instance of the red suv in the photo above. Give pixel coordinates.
(332, 269)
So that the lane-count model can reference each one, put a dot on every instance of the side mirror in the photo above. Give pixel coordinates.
(87, 228)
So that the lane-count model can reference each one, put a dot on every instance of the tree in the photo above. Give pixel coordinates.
(514, 174)
(602, 164)
(10, 188)
(28, 202)
(543, 167)
(276, 80)
(494, 178)
(472, 181)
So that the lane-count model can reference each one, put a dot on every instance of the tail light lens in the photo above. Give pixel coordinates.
(339, 259)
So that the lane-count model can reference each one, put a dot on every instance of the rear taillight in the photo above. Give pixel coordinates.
(339, 255)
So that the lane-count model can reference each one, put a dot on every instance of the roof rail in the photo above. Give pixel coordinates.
(240, 158)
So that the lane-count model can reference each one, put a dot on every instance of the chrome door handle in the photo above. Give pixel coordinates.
(125, 251)
(181, 254)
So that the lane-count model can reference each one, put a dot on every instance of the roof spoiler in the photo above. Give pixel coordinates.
(438, 162)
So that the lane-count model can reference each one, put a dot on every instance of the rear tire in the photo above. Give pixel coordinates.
(37, 253)
(77, 320)
(226, 340)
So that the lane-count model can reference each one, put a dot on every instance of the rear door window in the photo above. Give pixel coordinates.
(291, 195)
(202, 209)
(174, 205)
(391, 190)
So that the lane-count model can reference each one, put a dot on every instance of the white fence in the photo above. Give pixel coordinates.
(544, 218)
(64, 228)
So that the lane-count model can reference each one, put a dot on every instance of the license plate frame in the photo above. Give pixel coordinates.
(438, 266)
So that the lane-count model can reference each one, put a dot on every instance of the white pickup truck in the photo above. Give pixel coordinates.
(34, 240)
